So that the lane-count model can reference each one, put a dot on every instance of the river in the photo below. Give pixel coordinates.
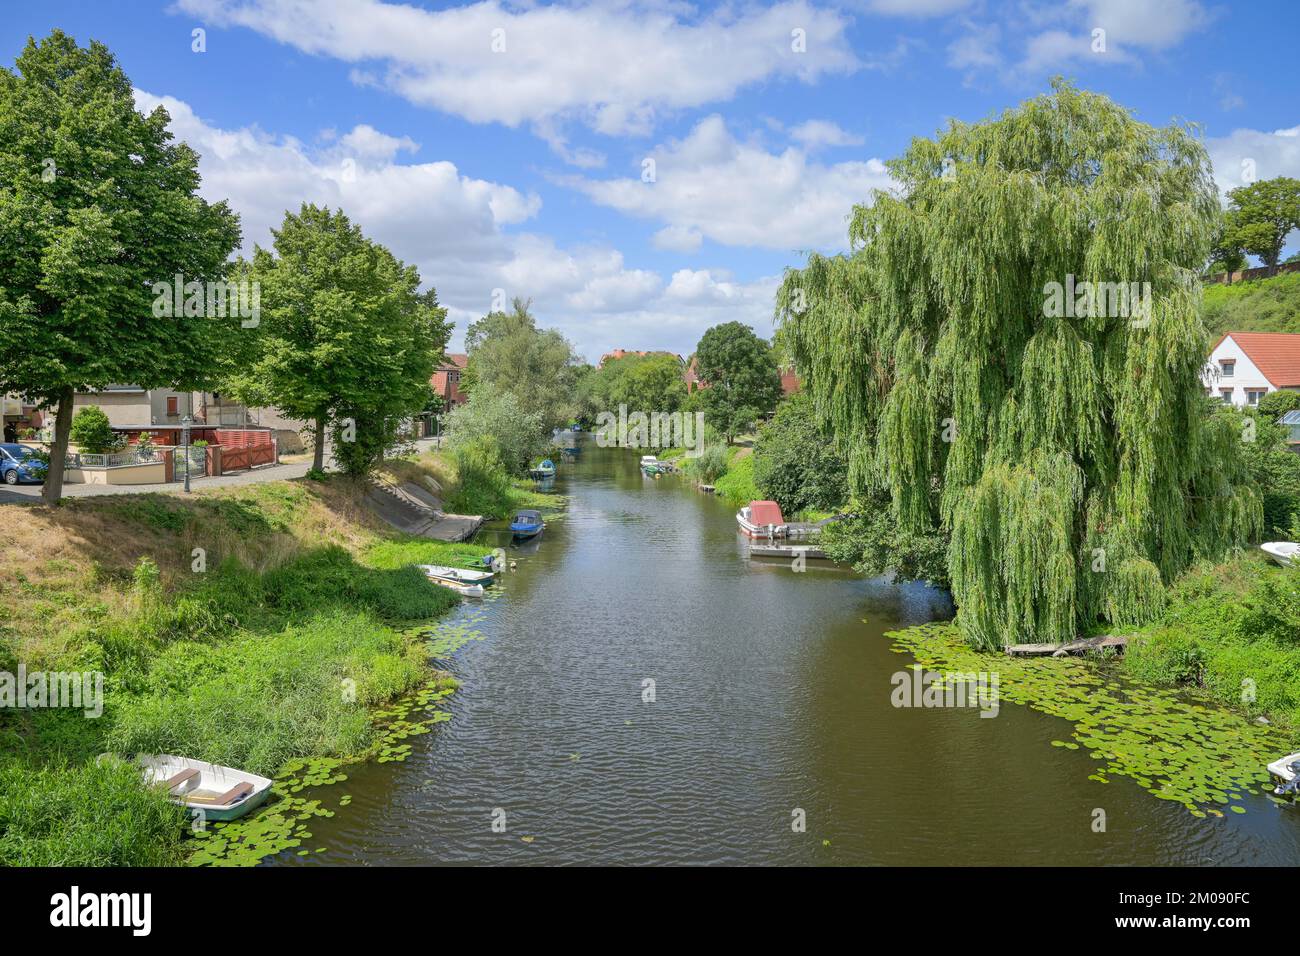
(771, 695)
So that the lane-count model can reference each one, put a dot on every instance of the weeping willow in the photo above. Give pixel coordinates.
(1069, 452)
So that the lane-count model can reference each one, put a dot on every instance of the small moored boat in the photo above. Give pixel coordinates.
(761, 519)
(221, 793)
(545, 470)
(650, 464)
(1283, 552)
(1286, 770)
(527, 524)
(457, 575)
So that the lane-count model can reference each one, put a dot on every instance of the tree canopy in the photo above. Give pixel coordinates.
(1261, 216)
(739, 379)
(508, 352)
(1072, 457)
(97, 203)
(345, 335)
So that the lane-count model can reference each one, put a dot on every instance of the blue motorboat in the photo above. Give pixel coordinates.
(527, 524)
(543, 471)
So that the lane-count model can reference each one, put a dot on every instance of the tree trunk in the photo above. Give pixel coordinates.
(53, 489)
(318, 461)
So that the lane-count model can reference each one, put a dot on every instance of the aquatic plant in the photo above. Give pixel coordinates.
(1176, 748)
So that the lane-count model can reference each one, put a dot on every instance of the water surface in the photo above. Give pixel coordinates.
(772, 692)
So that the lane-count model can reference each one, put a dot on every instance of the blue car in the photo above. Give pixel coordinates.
(20, 463)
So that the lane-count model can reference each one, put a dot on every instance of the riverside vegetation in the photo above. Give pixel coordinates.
(242, 663)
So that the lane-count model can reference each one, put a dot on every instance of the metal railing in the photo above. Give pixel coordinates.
(111, 459)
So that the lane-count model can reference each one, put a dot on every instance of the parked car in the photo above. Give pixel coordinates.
(21, 463)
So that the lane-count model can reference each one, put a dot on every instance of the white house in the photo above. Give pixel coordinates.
(1244, 366)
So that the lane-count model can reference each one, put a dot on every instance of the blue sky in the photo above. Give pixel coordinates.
(519, 170)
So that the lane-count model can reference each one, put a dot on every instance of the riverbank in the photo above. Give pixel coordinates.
(263, 627)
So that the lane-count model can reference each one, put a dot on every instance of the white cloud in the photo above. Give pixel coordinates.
(455, 228)
(1244, 153)
(613, 66)
(678, 239)
(815, 134)
(1153, 24)
(915, 8)
(739, 194)
(1077, 34)
(977, 49)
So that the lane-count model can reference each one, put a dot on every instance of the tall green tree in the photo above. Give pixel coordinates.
(1073, 460)
(508, 352)
(1226, 253)
(97, 203)
(1262, 215)
(739, 375)
(346, 337)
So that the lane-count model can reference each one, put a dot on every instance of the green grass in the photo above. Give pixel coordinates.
(1264, 305)
(1232, 629)
(737, 485)
(84, 816)
(281, 650)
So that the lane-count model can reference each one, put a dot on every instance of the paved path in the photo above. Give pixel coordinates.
(31, 494)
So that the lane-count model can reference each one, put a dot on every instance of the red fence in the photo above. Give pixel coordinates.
(243, 448)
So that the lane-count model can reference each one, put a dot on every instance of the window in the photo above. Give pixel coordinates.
(173, 405)
(1253, 395)
(1226, 367)
(1226, 394)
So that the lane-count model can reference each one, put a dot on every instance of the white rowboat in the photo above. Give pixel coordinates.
(1283, 552)
(459, 575)
(220, 793)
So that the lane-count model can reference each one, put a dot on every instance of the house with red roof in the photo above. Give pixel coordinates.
(446, 380)
(1246, 366)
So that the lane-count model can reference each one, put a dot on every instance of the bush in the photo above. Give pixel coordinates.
(874, 542)
(1276, 404)
(709, 466)
(796, 464)
(482, 484)
(737, 485)
(497, 416)
(91, 431)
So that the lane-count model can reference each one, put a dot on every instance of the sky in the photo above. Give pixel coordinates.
(644, 170)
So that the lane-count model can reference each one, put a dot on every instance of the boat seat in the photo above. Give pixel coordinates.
(177, 779)
(235, 793)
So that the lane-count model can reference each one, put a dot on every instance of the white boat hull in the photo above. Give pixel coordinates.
(1283, 552)
(459, 575)
(751, 530)
(200, 791)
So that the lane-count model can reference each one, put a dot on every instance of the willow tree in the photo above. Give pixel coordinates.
(979, 357)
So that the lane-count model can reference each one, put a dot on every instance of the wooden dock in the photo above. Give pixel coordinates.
(785, 551)
(1116, 641)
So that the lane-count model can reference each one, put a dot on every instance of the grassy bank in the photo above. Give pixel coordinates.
(1263, 305)
(227, 626)
(469, 486)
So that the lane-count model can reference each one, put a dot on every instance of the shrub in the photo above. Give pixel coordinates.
(709, 466)
(737, 485)
(796, 464)
(91, 431)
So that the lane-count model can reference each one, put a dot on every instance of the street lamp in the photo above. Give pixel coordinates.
(186, 422)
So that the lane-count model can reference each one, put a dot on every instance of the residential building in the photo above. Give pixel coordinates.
(1245, 366)
(446, 380)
